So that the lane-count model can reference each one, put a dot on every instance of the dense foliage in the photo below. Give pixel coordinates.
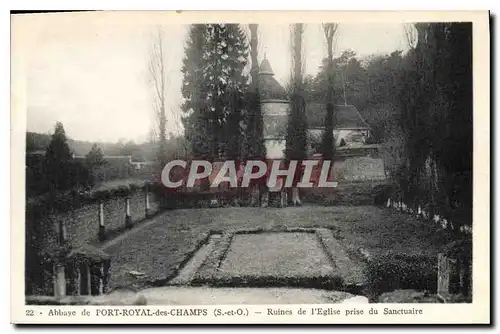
(296, 136)
(213, 89)
(436, 120)
(56, 170)
(369, 84)
(419, 107)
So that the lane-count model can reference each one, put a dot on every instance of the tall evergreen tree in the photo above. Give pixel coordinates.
(296, 139)
(213, 89)
(255, 127)
(436, 101)
(195, 119)
(58, 159)
(233, 140)
(328, 141)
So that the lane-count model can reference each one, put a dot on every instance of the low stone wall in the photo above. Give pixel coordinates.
(359, 168)
(81, 223)
(114, 213)
(454, 263)
(138, 205)
(348, 193)
(79, 220)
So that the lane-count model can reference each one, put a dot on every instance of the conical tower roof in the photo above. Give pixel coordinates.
(265, 67)
(270, 88)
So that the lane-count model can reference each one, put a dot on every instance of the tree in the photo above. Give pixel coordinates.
(296, 133)
(296, 140)
(94, 161)
(159, 82)
(371, 85)
(381, 106)
(328, 141)
(95, 156)
(435, 98)
(213, 88)
(233, 128)
(58, 159)
(130, 148)
(254, 125)
(437, 117)
(194, 93)
(349, 80)
(411, 35)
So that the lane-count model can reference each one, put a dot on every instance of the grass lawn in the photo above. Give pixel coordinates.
(293, 254)
(157, 249)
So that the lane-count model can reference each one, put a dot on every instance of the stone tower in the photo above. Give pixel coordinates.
(275, 109)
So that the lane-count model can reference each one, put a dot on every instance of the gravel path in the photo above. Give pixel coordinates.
(226, 296)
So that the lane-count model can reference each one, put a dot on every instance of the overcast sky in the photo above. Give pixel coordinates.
(95, 80)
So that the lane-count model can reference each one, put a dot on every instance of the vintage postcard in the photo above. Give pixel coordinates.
(250, 167)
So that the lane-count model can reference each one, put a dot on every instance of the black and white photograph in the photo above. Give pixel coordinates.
(249, 161)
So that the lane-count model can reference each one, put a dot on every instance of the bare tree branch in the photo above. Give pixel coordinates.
(411, 35)
(159, 82)
(296, 46)
(254, 42)
(330, 29)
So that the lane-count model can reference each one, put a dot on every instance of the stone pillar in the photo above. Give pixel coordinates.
(63, 236)
(101, 279)
(59, 281)
(72, 273)
(77, 280)
(264, 198)
(446, 272)
(128, 217)
(255, 195)
(295, 196)
(84, 281)
(148, 206)
(89, 279)
(443, 283)
(283, 198)
(96, 281)
(105, 277)
(102, 228)
(264, 195)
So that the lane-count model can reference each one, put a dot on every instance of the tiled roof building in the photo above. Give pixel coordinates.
(276, 106)
(346, 117)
